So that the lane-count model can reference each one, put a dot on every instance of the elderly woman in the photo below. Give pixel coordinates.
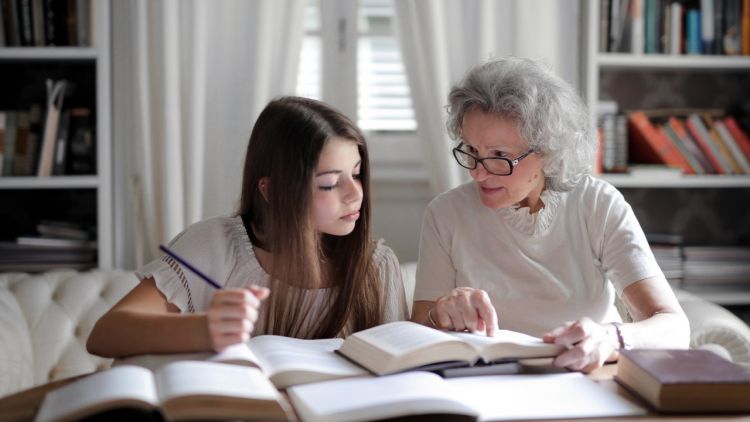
(535, 243)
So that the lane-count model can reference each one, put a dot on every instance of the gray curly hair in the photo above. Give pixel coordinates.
(551, 117)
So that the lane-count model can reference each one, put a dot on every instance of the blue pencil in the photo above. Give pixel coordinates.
(197, 272)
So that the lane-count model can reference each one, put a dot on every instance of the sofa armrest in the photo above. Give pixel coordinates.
(715, 328)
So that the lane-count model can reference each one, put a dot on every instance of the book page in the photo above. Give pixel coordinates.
(238, 354)
(397, 338)
(546, 396)
(411, 393)
(213, 379)
(508, 344)
(125, 384)
(288, 361)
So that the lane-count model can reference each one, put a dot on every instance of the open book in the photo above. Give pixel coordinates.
(403, 345)
(179, 391)
(505, 397)
(285, 361)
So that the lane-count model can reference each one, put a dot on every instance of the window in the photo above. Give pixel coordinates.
(351, 58)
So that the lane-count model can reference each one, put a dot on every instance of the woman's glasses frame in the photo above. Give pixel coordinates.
(465, 160)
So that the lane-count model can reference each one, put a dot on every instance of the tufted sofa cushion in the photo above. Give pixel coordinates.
(45, 320)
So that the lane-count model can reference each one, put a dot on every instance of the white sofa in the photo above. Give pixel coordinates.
(46, 318)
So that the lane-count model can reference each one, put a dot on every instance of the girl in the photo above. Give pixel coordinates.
(302, 234)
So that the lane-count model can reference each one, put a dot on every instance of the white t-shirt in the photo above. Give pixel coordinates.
(220, 248)
(539, 270)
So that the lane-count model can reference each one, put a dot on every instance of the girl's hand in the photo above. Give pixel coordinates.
(232, 315)
(465, 308)
(589, 344)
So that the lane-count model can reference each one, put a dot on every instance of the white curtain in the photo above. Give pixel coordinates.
(442, 39)
(190, 78)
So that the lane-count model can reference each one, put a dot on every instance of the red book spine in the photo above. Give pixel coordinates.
(739, 135)
(652, 146)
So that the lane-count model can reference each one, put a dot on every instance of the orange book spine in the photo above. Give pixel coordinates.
(652, 146)
(743, 141)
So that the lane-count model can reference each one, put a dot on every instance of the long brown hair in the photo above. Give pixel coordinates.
(284, 147)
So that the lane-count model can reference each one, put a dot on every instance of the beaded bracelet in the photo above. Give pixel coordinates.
(429, 317)
(624, 344)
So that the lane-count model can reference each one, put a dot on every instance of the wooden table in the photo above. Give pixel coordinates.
(23, 405)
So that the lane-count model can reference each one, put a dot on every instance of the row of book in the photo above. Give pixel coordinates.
(45, 142)
(46, 23)
(56, 244)
(703, 266)
(694, 141)
(675, 27)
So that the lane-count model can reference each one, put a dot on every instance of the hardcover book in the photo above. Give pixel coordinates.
(178, 391)
(685, 380)
(285, 361)
(649, 145)
(404, 345)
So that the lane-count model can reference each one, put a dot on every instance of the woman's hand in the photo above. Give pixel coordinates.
(232, 315)
(465, 308)
(589, 344)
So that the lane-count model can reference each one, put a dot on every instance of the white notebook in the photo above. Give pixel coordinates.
(487, 398)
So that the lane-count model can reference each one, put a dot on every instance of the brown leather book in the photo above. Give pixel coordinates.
(685, 380)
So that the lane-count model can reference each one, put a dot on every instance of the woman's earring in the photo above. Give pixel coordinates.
(262, 188)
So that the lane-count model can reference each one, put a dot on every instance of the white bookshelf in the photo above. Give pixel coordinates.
(97, 55)
(665, 61)
(55, 182)
(596, 64)
(679, 181)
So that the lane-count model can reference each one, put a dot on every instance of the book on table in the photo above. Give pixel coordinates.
(405, 345)
(178, 391)
(285, 361)
(423, 394)
(685, 380)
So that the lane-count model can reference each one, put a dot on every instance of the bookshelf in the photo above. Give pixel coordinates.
(706, 210)
(75, 194)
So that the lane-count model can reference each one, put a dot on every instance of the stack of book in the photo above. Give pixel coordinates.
(58, 245)
(614, 138)
(667, 249)
(669, 259)
(717, 266)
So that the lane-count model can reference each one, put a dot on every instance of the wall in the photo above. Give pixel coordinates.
(397, 215)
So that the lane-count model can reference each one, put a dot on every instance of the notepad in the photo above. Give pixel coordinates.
(504, 397)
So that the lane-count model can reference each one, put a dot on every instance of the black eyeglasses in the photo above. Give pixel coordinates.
(499, 166)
